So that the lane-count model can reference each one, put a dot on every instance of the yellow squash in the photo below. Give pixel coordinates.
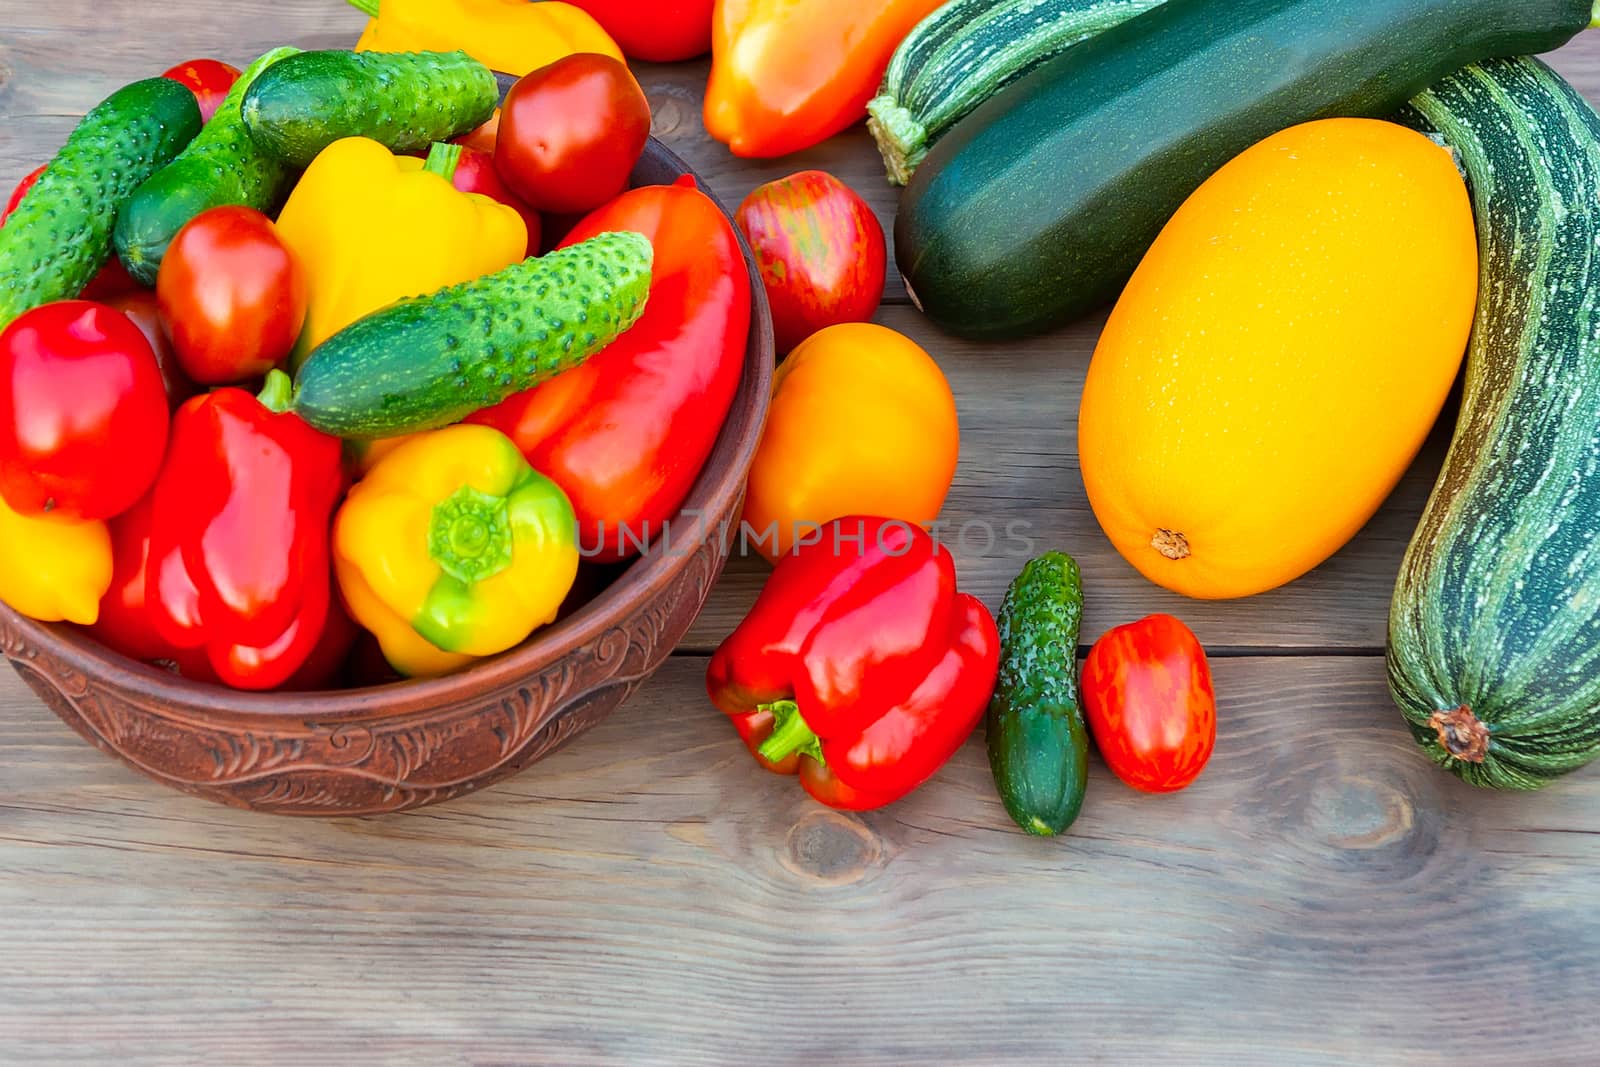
(1279, 357)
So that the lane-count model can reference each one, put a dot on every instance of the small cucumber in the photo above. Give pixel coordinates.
(60, 235)
(430, 361)
(221, 166)
(403, 100)
(1038, 742)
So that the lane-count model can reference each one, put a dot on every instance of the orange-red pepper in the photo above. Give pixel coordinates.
(786, 74)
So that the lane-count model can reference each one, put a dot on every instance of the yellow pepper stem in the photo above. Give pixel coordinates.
(366, 7)
(443, 160)
(469, 536)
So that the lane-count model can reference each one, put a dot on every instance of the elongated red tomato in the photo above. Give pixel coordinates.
(1150, 705)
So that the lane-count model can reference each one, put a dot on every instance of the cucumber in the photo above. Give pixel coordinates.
(430, 361)
(1037, 207)
(1038, 742)
(60, 235)
(1494, 630)
(403, 100)
(221, 166)
(964, 53)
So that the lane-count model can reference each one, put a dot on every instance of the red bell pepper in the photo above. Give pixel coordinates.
(239, 558)
(625, 434)
(860, 666)
(665, 31)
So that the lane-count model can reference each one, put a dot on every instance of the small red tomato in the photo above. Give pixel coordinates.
(484, 137)
(821, 253)
(111, 280)
(232, 296)
(666, 31)
(570, 133)
(208, 79)
(83, 414)
(475, 173)
(143, 311)
(1148, 698)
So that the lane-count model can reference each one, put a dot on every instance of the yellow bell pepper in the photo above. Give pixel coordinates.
(453, 548)
(53, 569)
(513, 36)
(369, 227)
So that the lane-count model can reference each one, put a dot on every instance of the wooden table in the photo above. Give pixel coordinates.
(1322, 895)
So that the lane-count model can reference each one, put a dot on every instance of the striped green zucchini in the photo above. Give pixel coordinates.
(1494, 632)
(964, 53)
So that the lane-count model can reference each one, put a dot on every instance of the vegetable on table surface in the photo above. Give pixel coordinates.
(664, 31)
(426, 362)
(1495, 625)
(1037, 738)
(786, 75)
(239, 558)
(368, 227)
(860, 666)
(1037, 207)
(1151, 708)
(231, 295)
(144, 311)
(570, 133)
(453, 548)
(512, 36)
(861, 419)
(59, 236)
(966, 52)
(821, 253)
(53, 569)
(83, 412)
(405, 101)
(208, 79)
(627, 433)
(1280, 357)
(222, 165)
(475, 173)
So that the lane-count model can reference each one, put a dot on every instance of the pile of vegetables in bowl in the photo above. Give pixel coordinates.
(1305, 212)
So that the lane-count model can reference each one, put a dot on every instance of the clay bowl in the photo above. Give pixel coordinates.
(406, 744)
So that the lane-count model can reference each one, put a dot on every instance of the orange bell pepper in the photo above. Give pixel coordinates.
(862, 421)
(786, 74)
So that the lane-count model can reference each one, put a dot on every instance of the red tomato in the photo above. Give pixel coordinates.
(83, 414)
(821, 253)
(666, 31)
(208, 79)
(571, 132)
(142, 310)
(475, 173)
(231, 295)
(1148, 698)
(111, 280)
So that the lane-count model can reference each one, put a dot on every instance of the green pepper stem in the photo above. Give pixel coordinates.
(790, 734)
(366, 7)
(277, 392)
(469, 535)
(443, 160)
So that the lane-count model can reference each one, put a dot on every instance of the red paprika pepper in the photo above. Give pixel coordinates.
(239, 557)
(626, 433)
(860, 666)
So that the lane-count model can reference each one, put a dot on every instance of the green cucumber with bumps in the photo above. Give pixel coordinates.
(60, 235)
(1038, 740)
(429, 361)
(403, 100)
(964, 53)
(221, 166)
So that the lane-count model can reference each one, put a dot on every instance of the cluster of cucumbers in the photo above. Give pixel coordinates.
(140, 166)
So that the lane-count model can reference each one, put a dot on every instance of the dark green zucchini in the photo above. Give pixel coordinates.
(60, 235)
(1038, 741)
(1494, 631)
(221, 166)
(429, 361)
(1037, 207)
(403, 100)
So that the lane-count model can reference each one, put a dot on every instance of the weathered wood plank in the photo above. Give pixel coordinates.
(1321, 895)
